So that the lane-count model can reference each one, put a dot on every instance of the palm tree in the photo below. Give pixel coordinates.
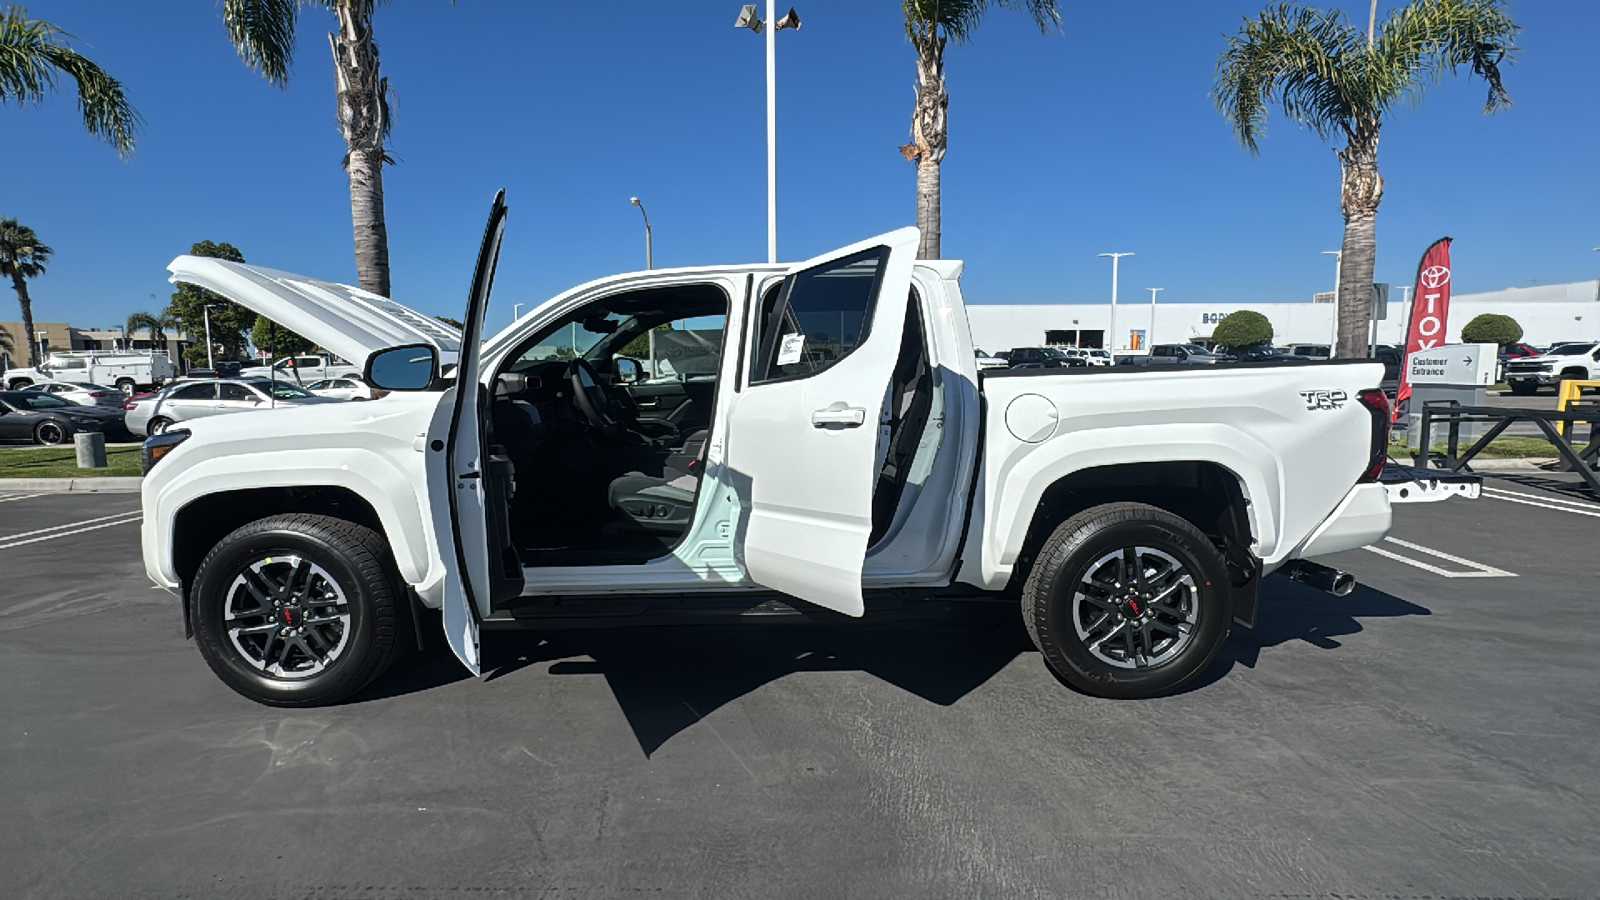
(157, 326)
(1321, 72)
(32, 54)
(262, 31)
(22, 256)
(929, 25)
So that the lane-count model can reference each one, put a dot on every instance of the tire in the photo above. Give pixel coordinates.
(1524, 390)
(332, 656)
(126, 386)
(1109, 657)
(157, 425)
(51, 434)
(19, 384)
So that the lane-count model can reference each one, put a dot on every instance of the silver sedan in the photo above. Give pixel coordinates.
(189, 400)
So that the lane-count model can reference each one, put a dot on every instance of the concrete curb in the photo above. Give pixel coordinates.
(111, 484)
(1530, 464)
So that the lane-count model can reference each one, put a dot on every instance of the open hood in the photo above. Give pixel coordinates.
(348, 321)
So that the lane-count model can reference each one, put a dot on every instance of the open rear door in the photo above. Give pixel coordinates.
(482, 561)
(802, 437)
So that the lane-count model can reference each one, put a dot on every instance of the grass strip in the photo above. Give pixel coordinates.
(62, 462)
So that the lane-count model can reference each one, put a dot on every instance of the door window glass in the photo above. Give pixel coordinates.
(194, 392)
(237, 392)
(819, 317)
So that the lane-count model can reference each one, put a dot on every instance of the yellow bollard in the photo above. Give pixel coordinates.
(1569, 391)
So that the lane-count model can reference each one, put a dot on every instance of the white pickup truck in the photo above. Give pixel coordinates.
(130, 371)
(303, 370)
(845, 458)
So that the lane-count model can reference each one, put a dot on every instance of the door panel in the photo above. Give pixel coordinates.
(802, 441)
(481, 567)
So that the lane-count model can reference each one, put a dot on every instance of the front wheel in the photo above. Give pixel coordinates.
(1127, 601)
(50, 434)
(1524, 389)
(297, 610)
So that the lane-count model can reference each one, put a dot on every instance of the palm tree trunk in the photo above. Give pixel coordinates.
(363, 111)
(1361, 190)
(26, 302)
(929, 135)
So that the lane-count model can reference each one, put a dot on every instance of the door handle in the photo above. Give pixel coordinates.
(839, 414)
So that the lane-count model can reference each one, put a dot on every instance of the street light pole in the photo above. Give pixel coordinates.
(1112, 331)
(210, 362)
(748, 18)
(1150, 338)
(1338, 259)
(648, 264)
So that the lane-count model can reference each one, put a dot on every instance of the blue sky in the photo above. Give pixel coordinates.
(1101, 137)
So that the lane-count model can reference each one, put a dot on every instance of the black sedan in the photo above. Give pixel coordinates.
(1044, 358)
(43, 419)
(1262, 354)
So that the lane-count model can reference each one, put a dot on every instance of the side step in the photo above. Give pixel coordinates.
(752, 608)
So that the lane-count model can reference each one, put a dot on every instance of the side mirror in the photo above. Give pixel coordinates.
(627, 370)
(412, 367)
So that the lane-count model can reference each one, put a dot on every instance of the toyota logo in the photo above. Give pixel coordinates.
(1435, 277)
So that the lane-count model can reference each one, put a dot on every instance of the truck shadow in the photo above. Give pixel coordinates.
(1290, 611)
(666, 679)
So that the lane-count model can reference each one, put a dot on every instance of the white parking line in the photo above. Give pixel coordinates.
(1580, 507)
(7, 498)
(1478, 570)
(61, 531)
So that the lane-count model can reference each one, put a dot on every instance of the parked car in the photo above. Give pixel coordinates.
(1261, 353)
(1094, 356)
(1117, 505)
(985, 361)
(187, 401)
(1313, 351)
(81, 394)
(1044, 358)
(1580, 361)
(1175, 354)
(44, 419)
(303, 370)
(351, 388)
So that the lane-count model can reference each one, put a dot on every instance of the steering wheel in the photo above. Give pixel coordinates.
(596, 404)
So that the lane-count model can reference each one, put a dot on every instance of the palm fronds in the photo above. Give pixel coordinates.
(33, 53)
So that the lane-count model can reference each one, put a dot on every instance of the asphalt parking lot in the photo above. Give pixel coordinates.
(1436, 734)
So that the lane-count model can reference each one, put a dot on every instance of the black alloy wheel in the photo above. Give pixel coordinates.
(1127, 601)
(297, 609)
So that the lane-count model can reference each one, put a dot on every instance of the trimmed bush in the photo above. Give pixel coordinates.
(1491, 328)
(1245, 328)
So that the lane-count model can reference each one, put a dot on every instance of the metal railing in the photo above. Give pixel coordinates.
(1454, 415)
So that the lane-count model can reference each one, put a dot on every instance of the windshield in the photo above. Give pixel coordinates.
(1196, 348)
(1055, 353)
(38, 401)
(1569, 349)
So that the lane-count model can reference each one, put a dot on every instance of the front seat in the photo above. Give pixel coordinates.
(662, 505)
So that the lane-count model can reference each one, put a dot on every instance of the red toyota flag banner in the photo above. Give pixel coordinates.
(1430, 310)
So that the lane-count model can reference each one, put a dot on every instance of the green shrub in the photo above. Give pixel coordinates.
(1491, 328)
(1245, 328)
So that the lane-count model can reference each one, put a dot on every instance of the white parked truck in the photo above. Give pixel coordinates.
(844, 457)
(303, 370)
(1579, 361)
(129, 370)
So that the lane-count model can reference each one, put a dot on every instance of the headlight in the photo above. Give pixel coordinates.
(157, 446)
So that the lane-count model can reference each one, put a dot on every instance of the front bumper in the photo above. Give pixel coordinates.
(1540, 378)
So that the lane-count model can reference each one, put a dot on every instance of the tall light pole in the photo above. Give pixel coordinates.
(210, 363)
(1150, 338)
(748, 18)
(647, 260)
(1112, 331)
(1338, 258)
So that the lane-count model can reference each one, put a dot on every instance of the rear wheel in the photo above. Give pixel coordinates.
(297, 610)
(50, 434)
(158, 425)
(126, 386)
(1127, 601)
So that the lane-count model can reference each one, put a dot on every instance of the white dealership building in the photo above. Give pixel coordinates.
(1548, 313)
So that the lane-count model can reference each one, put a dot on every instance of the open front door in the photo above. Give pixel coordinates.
(803, 435)
(483, 563)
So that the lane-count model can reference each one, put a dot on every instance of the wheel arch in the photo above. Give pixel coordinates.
(1205, 493)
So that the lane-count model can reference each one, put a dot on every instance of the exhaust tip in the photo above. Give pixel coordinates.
(1343, 584)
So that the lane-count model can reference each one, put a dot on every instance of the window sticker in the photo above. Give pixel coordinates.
(790, 348)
